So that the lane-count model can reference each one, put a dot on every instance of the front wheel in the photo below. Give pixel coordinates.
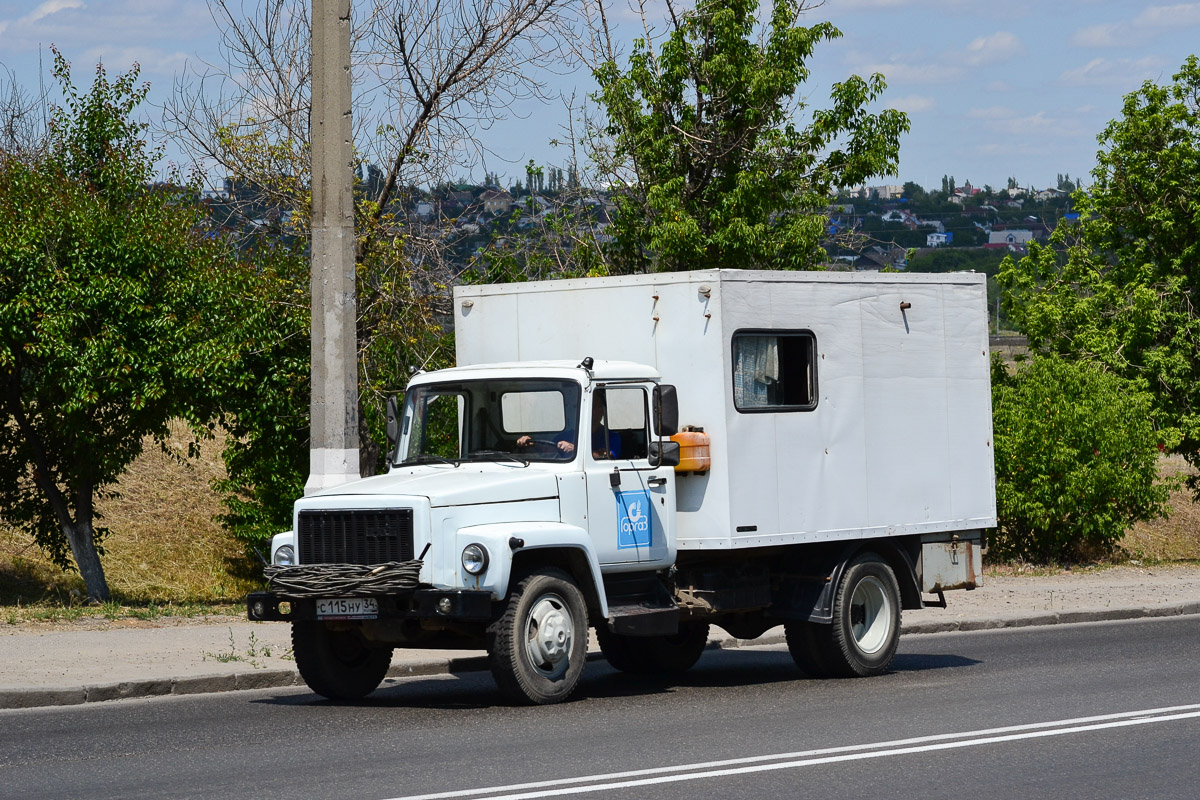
(338, 664)
(538, 647)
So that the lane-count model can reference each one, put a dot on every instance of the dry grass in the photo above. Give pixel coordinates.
(164, 548)
(1175, 538)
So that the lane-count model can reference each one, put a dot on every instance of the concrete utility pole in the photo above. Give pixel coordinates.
(333, 454)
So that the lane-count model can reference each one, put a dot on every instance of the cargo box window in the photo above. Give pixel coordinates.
(774, 371)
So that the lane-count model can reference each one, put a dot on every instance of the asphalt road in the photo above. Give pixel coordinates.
(1097, 710)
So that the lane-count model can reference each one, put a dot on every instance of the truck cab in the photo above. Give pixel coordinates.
(496, 473)
(560, 444)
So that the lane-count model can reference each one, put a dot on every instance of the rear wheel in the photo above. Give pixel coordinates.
(862, 638)
(537, 649)
(866, 619)
(808, 643)
(655, 655)
(338, 664)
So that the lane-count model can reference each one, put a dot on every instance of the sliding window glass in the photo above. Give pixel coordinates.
(774, 370)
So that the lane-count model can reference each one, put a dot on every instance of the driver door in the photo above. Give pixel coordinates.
(630, 522)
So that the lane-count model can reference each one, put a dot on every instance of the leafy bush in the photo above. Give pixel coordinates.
(1076, 460)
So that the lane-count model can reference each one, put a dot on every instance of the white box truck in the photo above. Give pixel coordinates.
(648, 456)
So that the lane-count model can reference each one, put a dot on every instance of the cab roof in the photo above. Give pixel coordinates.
(571, 370)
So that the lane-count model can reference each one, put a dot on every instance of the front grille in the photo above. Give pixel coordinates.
(355, 537)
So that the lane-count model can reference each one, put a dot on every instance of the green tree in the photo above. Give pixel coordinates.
(1119, 286)
(266, 456)
(711, 169)
(266, 450)
(114, 313)
(914, 192)
(1076, 460)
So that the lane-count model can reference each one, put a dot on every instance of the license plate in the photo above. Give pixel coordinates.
(348, 608)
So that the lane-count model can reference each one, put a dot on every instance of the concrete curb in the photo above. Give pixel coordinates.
(276, 678)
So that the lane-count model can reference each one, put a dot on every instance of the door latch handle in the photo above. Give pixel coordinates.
(657, 482)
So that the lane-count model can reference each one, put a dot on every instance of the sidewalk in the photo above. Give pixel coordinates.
(68, 667)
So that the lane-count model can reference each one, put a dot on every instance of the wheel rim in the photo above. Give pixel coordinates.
(347, 650)
(870, 615)
(549, 633)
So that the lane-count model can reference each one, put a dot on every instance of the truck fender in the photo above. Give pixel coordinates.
(526, 545)
(897, 558)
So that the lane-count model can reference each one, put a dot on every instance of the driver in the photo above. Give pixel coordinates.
(562, 442)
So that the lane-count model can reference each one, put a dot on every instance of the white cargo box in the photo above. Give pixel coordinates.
(895, 439)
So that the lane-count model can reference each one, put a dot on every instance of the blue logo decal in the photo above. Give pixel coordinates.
(635, 526)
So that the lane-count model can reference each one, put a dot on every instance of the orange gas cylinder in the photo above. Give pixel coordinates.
(693, 450)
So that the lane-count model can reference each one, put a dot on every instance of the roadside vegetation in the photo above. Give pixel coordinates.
(165, 555)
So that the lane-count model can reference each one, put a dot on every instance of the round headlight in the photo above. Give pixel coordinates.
(475, 559)
(285, 556)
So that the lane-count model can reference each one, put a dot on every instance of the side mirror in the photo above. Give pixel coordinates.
(664, 454)
(393, 422)
(666, 410)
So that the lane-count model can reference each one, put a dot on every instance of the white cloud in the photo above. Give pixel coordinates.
(911, 104)
(151, 60)
(1121, 73)
(1177, 16)
(926, 73)
(855, 5)
(1011, 149)
(862, 4)
(992, 112)
(1106, 35)
(76, 26)
(50, 7)
(992, 49)
(1018, 124)
(920, 69)
(1040, 122)
(1140, 29)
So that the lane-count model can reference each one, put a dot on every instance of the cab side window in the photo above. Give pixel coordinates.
(620, 420)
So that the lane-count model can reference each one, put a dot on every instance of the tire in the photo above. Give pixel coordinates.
(338, 664)
(655, 655)
(808, 642)
(538, 647)
(862, 639)
(622, 652)
(866, 619)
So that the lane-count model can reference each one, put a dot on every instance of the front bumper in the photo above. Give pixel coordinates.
(457, 604)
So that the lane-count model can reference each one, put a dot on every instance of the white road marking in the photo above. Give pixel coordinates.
(828, 755)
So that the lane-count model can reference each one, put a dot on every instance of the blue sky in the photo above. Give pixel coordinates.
(1020, 88)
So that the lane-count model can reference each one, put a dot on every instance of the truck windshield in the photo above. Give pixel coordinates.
(519, 420)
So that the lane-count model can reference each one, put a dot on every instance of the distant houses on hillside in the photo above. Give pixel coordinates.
(877, 230)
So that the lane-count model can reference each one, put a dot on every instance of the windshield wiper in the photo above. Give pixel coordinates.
(429, 458)
(496, 455)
